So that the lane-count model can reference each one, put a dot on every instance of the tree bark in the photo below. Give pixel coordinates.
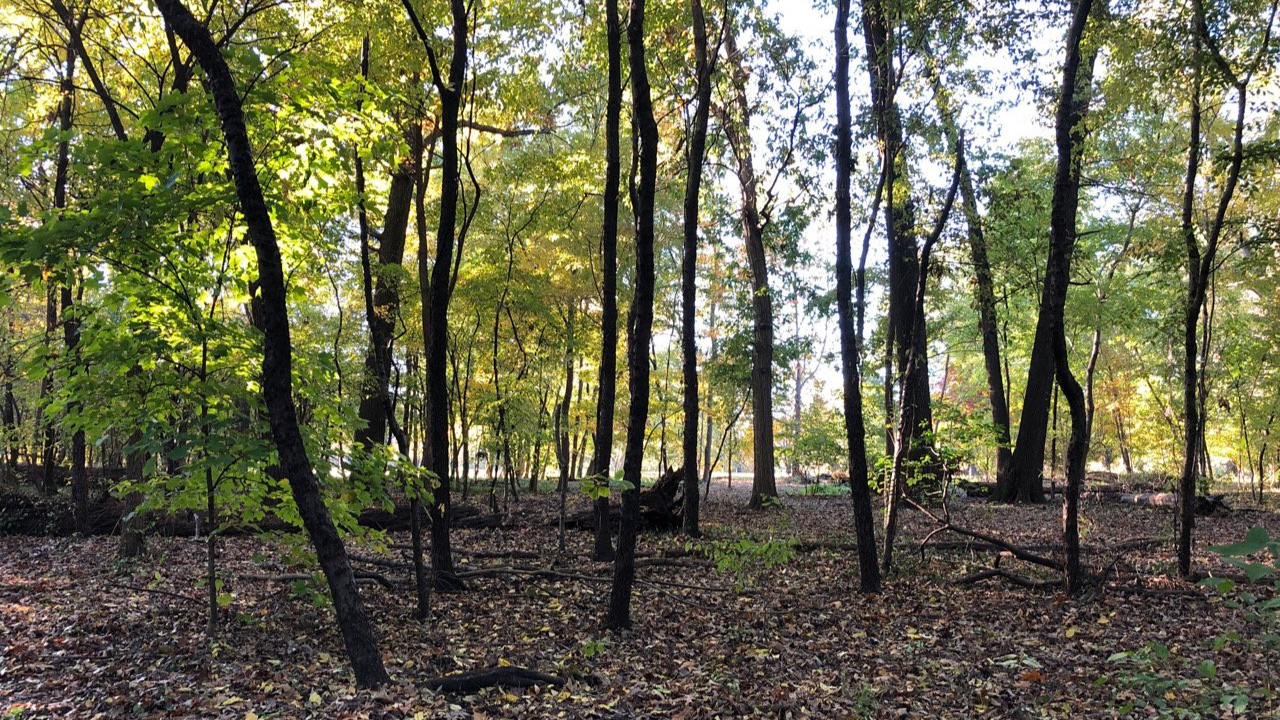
(855, 432)
(277, 365)
(641, 321)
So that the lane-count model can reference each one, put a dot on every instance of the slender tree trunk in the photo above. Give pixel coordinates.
(562, 419)
(435, 280)
(855, 432)
(641, 321)
(277, 375)
(984, 286)
(738, 132)
(1200, 268)
(608, 377)
(1077, 78)
(694, 158)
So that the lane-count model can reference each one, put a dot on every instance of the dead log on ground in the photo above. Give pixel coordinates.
(476, 680)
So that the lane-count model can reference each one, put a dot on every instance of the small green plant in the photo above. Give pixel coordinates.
(592, 647)
(825, 489)
(742, 553)
(1156, 682)
(1255, 541)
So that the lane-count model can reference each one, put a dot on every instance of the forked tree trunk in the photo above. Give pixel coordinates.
(1200, 267)
(435, 282)
(1025, 480)
(906, 336)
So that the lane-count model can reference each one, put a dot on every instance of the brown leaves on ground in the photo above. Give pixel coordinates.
(84, 637)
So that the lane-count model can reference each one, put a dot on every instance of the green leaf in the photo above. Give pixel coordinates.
(1254, 540)
(1221, 585)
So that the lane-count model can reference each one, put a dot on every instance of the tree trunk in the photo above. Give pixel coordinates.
(277, 366)
(984, 287)
(855, 432)
(694, 158)
(435, 280)
(1200, 267)
(641, 322)
(1073, 100)
(608, 377)
(1025, 480)
(738, 132)
(906, 322)
(384, 296)
(562, 418)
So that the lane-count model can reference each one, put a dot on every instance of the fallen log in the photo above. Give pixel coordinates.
(475, 680)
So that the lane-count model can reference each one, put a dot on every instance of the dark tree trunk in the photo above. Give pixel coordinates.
(694, 157)
(70, 322)
(906, 321)
(608, 378)
(855, 432)
(1073, 101)
(436, 284)
(1200, 267)
(641, 322)
(277, 365)
(385, 299)
(132, 540)
(738, 131)
(48, 433)
(984, 287)
(562, 418)
(1024, 482)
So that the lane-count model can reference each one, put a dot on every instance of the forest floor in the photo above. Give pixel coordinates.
(775, 630)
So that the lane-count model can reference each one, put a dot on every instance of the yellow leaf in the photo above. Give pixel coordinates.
(1071, 632)
(564, 695)
(251, 715)
(231, 701)
(510, 698)
(502, 662)
(315, 698)
(1103, 621)
(324, 657)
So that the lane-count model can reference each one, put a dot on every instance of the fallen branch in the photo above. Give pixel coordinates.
(157, 591)
(1014, 550)
(366, 575)
(1016, 579)
(476, 680)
